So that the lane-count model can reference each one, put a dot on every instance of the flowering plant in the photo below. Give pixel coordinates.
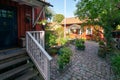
(42, 22)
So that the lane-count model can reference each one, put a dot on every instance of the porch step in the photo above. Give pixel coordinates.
(15, 71)
(11, 53)
(28, 75)
(10, 63)
(17, 65)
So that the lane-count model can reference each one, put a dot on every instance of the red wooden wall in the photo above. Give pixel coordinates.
(22, 12)
(84, 35)
(37, 11)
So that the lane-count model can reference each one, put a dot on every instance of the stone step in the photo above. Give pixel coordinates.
(15, 71)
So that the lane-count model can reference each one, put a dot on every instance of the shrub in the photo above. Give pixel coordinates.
(103, 49)
(50, 39)
(101, 43)
(115, 61)
(79, 43)
(62, 41)
(102, 53)
(64, 57)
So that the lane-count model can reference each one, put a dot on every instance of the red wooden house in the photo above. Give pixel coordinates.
(75, 29)
(17, 17)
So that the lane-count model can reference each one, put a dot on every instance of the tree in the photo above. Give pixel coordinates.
(58, 18)
(100, 12)
(48, 12)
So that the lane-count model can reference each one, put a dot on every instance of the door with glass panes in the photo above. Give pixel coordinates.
(8, 27)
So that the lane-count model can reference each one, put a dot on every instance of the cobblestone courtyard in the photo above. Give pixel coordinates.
(86, 65)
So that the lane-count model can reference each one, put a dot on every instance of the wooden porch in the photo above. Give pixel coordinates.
(29, 63)
(18, 20)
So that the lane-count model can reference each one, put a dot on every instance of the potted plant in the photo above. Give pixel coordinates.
(43, 23)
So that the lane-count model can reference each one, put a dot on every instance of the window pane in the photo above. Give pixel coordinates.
(88, 31)
(4, 13)
(10, 14)
(0, 13)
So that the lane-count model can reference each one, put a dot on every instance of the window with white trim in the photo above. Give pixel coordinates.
(88, 31)
(80, 31)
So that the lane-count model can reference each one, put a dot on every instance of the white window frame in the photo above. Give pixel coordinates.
(89, 32)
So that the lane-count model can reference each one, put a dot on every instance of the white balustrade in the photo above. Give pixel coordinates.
(39, 36)
(35, 49)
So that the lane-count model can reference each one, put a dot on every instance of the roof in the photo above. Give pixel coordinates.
(52, 23)
(34, 3)
(46, 3)
(72, 20)
(75, 26)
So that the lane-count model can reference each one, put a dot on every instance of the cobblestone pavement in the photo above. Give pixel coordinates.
(86, 65)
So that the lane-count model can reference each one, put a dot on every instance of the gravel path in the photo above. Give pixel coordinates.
(86, 65)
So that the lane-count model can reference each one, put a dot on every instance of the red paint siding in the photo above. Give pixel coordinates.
(37, 11)
(22, 12)
(84, 35)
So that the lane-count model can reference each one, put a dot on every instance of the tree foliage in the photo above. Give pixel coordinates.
(58, 18)
(100, 12)
(48, 12)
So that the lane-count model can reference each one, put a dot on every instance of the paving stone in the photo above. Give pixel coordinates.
(86, 65)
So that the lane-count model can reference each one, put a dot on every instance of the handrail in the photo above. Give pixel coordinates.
(38, 54)
(39, 36)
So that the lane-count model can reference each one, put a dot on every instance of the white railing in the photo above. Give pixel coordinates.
(35, 49)
(39, 36)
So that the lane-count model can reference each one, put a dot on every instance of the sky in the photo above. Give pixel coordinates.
(59, 7)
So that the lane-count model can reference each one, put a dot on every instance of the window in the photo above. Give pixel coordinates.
(6, 13)
(10, 14)
(81, 31)
(88, 31)
(0, 13)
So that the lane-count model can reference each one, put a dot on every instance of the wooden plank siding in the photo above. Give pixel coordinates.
(22, 12)
(37, 10)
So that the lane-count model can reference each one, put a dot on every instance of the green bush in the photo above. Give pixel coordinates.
(64, 57)
(79, 43)
(50, 39)
(63, 41)
(101, 43)
(103, 49)
(115, 61)
(102, 53)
